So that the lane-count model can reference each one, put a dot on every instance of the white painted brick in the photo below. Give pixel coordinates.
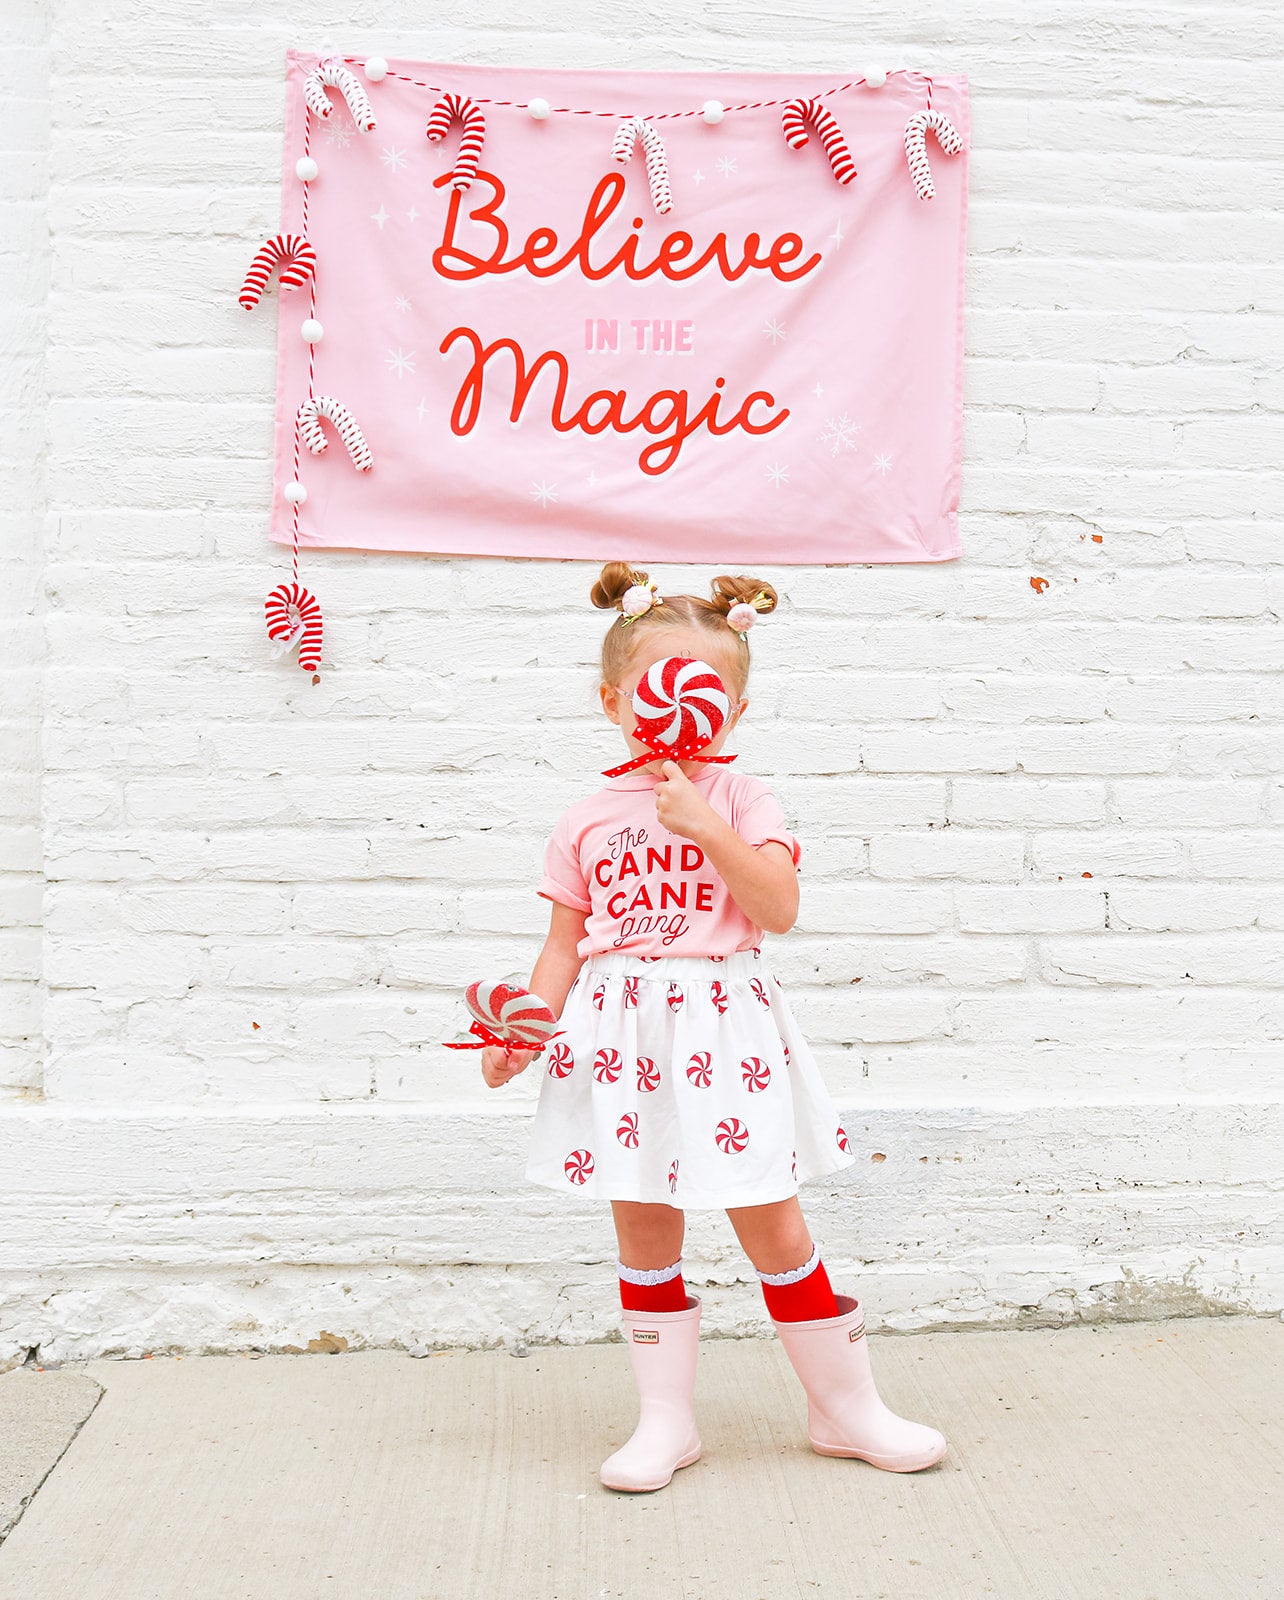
(958, 853)
(1029, 908)
(1149, 960)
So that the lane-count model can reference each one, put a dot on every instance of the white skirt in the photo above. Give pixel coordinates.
(682, 1081)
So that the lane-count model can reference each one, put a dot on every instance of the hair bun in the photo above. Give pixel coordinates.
(614, 582)
(730, 591)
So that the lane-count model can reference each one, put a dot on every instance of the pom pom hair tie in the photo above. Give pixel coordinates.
(744, 613)
(636, 601)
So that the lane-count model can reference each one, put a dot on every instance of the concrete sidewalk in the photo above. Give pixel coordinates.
(1134, 1462)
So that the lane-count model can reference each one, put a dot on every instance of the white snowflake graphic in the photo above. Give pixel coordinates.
(775, 331)
(401, 361)
(413, 214)
(381, 216)
(393, 158)
(727, 166)
(883, 463)
(544, 492)
(777, 475)
(402, 303)
(840, 434)
(339, 135)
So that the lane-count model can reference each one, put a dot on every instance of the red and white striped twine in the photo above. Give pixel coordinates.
(794, 119)
(916, 147)
(345, 425)
(292, 253)
(458, 107)
(337, 76)
(626, 140)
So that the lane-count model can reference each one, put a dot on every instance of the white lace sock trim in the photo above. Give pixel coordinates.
(797, 1275)
(649, 1276)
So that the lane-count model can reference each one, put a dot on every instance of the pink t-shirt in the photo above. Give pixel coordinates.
(649, 891)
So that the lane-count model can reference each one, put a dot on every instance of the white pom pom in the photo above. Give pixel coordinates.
(742, 616)
(376, 69)
(295, 493)
(539, 109)
(637, 599)
(713, 111)
(305, 169)
(875, 77)
(312, 331)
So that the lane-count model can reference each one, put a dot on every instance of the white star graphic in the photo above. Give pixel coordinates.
(544, 492)
(883, 463)
(381, 216)
(591, 480)
(777, 475)
(401, 361)
(818, 390)
(413, 214)
(697, 176)
(393, 158)
(727, 165)
(775, 331)
(838, 235)
(402, 303)
(423, 407)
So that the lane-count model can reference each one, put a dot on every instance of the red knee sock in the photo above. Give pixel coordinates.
(807, 1299)
(670, 1294)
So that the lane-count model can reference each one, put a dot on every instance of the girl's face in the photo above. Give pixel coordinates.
(617, 699)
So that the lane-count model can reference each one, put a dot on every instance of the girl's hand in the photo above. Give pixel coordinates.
(498, 1066)
(679, 805)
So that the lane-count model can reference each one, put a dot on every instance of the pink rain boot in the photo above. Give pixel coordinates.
(845, 1417)
(662, 1347)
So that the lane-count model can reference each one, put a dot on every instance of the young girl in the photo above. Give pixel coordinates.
(681, 1080)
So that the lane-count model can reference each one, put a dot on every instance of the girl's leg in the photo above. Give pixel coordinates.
(795, 1284)
(650, 1264)
(661, 1333)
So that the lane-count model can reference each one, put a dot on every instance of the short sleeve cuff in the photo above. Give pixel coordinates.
(787, 839)
(550, 889)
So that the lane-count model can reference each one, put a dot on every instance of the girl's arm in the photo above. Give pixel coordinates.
(555, 971)
(762, 879)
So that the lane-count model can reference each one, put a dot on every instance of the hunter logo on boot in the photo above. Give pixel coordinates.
(645, 1336)
(856, 1333)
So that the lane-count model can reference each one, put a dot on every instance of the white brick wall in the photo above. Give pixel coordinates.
(1041, 950)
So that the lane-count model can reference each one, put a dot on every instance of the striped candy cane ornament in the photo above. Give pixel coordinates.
(459, 108)
(794, 119)
(916, 147)
(291, 609)
(657, 166)
(336, 76)
(345, 425)
(291, 254)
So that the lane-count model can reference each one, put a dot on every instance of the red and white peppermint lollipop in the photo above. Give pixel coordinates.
(507, 1015)
(681, 703)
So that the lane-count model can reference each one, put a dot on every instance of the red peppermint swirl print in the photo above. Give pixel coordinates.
(673, 1178)
(561, 1061)
(732, 1136)
(785, 1048)
(700, 1069)
(675, 996)
(757, 1074)
(793, 1164)
(630, 994)
(579, 1166)
(599, 994)
(627, 1132)
(607, 1065)
(760, 991)
(843, 1143)
(718, 997)
(681, 703)
(648, 1075)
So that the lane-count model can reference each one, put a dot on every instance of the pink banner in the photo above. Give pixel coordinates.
(636, 330)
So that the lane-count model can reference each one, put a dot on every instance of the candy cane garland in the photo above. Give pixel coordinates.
(345, 425)
(916, 147)
(291, 597)
(292, 253)
(458, 107)
(338, 77)
(794, 119)
(657, 166)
